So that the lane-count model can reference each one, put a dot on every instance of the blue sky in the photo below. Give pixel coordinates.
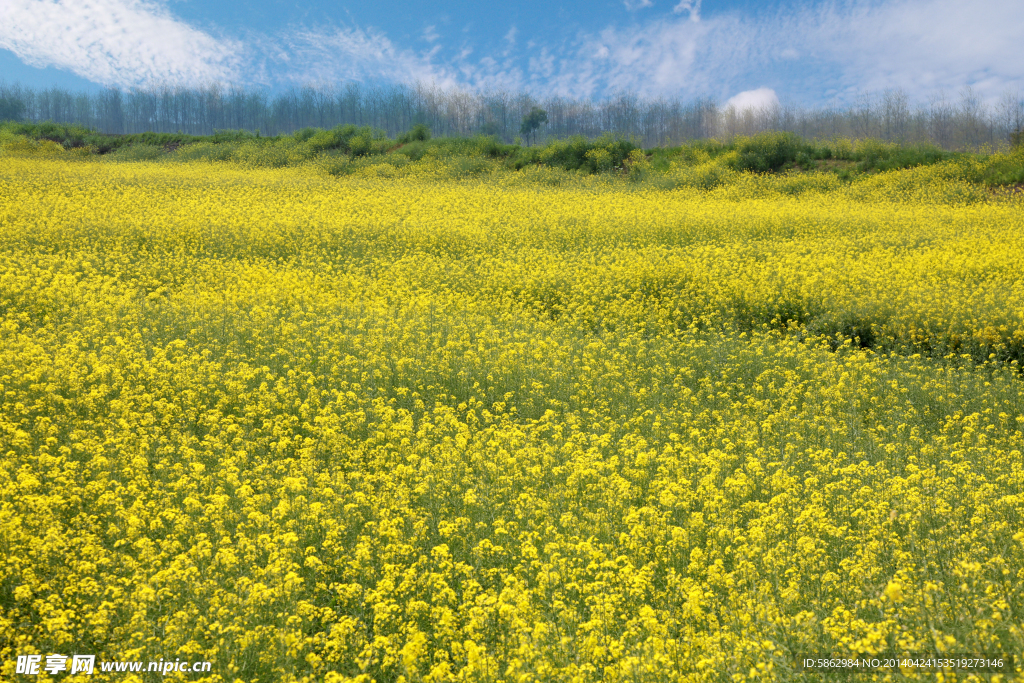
(807, 53)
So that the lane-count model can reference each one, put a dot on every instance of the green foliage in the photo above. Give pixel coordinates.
(874, 155)
(68, 135)
(577, 153)
(491, 148)
(1003, 169)
(773, 152)
(11, 109)
(72, 136)
(700, 164)
(359, 145)
(418, 133)
(532, 122)
(413, 150)
(1017, 139)
(304, 134)
(222, 136)
(769, 152)
(336, 138)
(206, 151)
(705, 177)
(139, 152)
(569, 154)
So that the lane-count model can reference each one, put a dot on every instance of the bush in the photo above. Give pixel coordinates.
(874, 155)
(337, 138)
(841, 149)
(20, 145)
(1004, 169)
(638, 165)
(1017, 139)
(139, 152)
(599, 159)
(413, 150)
(204, 151)
(769, 152)
(705, 177)
(570, 154)
(491, 148)
(359, 145)
(418, 133)
(577, 153)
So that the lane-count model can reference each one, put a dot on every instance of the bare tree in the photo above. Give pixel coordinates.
(969, 123)
(1010, 114)
(895, 115)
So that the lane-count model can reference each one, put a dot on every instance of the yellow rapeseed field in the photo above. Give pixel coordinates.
(518, 427)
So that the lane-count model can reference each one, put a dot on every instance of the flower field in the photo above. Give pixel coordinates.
(511, 427)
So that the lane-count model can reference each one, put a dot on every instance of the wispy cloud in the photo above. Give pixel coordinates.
(691, 7)
(351, 53)
(844, 48)
(810, 52)
(510, 37)
(921, 45)
(116, 42)
(430, 34)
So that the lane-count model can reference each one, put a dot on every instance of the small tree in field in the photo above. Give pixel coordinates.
(532, 123)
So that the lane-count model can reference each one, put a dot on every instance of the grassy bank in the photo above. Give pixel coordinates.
(347, 149)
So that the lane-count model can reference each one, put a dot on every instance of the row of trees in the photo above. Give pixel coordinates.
(963, 122)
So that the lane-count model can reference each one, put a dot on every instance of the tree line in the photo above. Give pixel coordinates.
(961, 122)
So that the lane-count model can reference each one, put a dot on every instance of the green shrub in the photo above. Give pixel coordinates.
(577, 153)
(491, 148)
(1017, 139)
(139, 152)
(205, 151)
(1004, 169)
(874, 155)
(638, 164)
(570, 154)
(359, 145)
(841, 149)
(465, 167)
(336, 138)
(521, 157)
(706, 177)
(336, 165)
(769, 152)
(230, 136)
(413, 150)
(418, 133)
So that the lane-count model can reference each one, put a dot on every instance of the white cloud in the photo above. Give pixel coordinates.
(633, 5)
(691, 7)
(762, 98)
(357, 54)
(921, 45)
(510, 37)
(115, 42)
(847, 47)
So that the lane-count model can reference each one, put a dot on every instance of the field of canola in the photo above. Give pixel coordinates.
(497, 429)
